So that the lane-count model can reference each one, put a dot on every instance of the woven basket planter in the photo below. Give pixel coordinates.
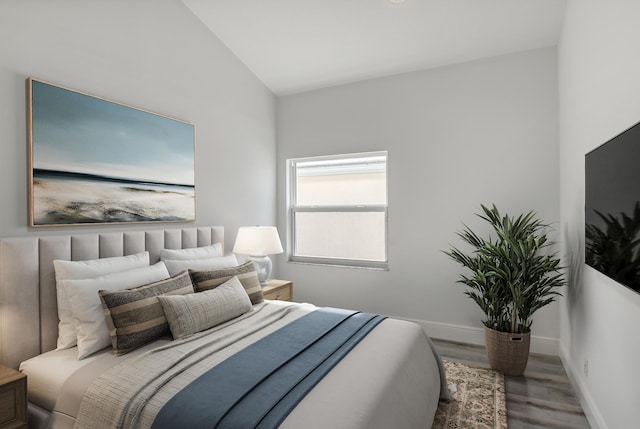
(507, 352)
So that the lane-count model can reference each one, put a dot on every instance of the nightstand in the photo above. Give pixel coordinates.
(13, 399)
(281, 290)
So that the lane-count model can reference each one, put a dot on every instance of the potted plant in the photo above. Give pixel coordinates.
(512, 275)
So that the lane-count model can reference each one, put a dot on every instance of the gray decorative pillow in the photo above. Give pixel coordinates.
(135, 316)
(246, 273)
(188, 314)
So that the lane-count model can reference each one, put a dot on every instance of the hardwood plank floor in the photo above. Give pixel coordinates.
(542, 398)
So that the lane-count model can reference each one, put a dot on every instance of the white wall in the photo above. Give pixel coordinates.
(151, 54)
(458, 136)
(599, 98)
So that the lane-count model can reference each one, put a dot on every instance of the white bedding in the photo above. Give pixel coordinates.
(48, 372)
(392, 378)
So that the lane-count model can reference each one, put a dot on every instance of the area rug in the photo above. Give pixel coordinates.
(479, 400)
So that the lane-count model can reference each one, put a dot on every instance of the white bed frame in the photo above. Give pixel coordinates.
(28, 305)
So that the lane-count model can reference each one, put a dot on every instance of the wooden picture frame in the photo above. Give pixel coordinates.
(96, 161)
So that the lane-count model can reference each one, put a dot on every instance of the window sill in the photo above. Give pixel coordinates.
(381, 266)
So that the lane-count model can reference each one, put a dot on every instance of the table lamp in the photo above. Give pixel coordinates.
(258, 242)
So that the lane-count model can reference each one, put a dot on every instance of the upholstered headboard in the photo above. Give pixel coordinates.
(28, 307)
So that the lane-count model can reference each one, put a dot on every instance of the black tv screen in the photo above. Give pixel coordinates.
(612, 208)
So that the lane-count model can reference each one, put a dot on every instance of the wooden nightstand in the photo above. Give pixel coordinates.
(13, 399)
(281, 290)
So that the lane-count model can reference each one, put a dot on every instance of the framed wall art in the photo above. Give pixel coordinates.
(95, 161)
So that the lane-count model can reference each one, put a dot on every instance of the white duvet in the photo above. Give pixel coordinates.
(392, 378)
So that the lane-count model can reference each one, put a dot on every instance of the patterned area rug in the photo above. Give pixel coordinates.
(479, 401)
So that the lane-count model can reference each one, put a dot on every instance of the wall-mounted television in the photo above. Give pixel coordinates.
(612, 208)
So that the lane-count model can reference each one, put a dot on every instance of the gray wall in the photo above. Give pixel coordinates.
(599, 98)
(151, 54)
(458, 136)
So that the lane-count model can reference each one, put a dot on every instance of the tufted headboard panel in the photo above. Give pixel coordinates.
(28, 307)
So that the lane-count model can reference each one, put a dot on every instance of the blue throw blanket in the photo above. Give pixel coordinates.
(260, 385)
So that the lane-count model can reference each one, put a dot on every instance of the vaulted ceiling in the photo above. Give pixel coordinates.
(299, 45)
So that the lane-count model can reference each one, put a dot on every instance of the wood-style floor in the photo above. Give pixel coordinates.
(541, 398)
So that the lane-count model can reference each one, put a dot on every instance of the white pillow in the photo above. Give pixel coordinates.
(193, 253)
(86, 307)
(73, 270)
(175, 267)
(188, 314)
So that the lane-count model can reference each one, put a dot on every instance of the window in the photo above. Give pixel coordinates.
(338, 210)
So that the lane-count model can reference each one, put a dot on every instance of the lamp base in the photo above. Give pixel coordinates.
(263, 268)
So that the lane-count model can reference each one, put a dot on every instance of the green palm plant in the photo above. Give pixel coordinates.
(513, 274)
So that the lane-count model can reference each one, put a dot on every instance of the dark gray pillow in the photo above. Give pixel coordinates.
(135, 316)
(246, 273)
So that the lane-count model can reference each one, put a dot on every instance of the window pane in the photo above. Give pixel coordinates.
(343, 235)
(355, 181)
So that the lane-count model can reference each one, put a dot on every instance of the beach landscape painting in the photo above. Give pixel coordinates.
(95, 161)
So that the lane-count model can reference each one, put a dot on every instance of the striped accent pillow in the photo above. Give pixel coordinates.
(246, 273)
(135, 316)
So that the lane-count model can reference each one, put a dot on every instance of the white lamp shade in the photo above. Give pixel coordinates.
(257, 240)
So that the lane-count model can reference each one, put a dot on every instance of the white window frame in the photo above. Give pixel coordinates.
(293, 208)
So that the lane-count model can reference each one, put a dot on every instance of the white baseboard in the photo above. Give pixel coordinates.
(473, 335)
(591, 411)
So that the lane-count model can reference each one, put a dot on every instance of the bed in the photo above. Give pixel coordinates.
(390, 377)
